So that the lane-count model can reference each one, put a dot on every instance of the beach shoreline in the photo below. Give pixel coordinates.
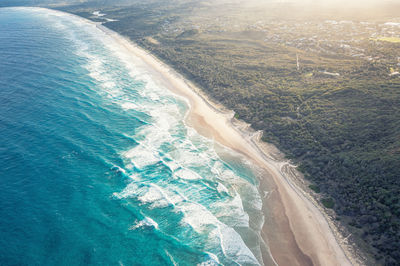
(301, 225)
(298, 232)
(314, 240)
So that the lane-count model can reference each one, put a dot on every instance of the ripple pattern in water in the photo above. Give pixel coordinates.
(97, 165)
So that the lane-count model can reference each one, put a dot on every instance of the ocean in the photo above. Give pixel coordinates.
(97, 165)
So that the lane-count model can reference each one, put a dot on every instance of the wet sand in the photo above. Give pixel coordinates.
(296, 231)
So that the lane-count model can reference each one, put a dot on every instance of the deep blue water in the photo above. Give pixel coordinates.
(97, 165)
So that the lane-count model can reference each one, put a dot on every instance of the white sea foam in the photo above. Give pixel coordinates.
(198, 217)
(129, 106)
(234, 211)
(213, 261)
(192, 157)
(172, 165)
(119, 169)
(152, 195)
(134, 177)
(109, 84)
(146, 222)
(142, 156)
(232, 245)
(256, 201)
(98, 13)
(187, 174)
(155, 197)
(110, 19)
(171, 258)
(222, 189)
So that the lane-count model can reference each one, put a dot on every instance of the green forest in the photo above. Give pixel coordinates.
(331, 111)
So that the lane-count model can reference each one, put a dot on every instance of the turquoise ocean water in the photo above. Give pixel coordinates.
(97, 165)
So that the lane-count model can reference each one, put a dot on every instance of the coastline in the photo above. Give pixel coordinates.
(300, 224)
(299, 232)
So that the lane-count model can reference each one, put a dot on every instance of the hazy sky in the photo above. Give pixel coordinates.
(329, 2)
(326, 3)
(332, 1)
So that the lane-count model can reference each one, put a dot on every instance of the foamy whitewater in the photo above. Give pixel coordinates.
(97, 163)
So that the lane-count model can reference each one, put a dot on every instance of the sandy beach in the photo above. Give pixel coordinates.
(297, 232)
